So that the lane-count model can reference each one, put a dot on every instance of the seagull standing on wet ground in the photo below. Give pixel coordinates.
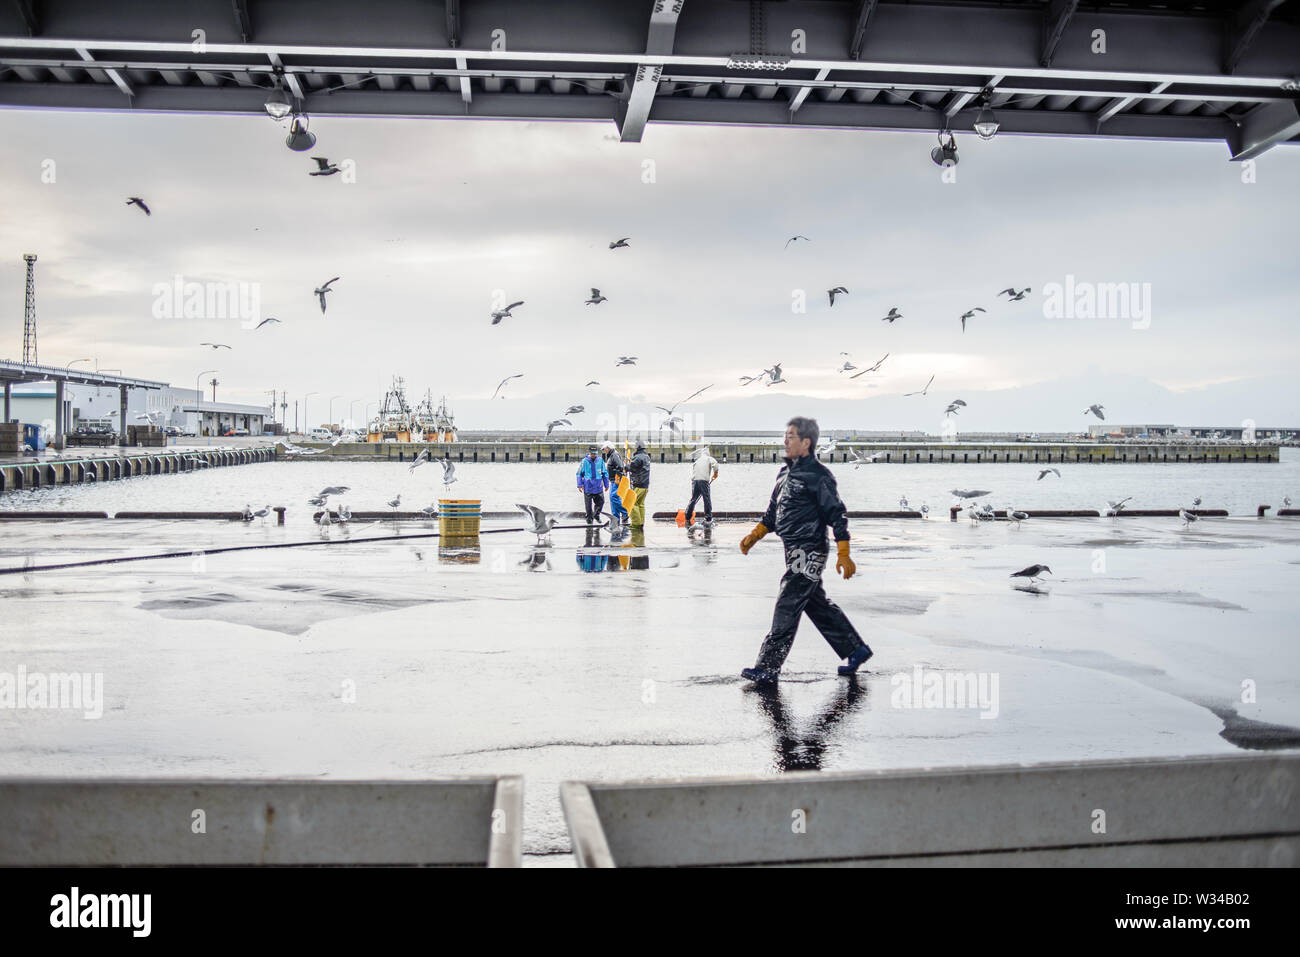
(393, 503)
(1015, 516)
(1033, 572)
(540, 522)
(1187, 516)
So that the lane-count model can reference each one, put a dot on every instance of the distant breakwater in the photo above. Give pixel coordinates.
(888, 453)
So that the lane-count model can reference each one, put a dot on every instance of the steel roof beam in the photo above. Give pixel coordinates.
(111, 73)
(859, 38)
(243, 25)
(640, 93)
(1263, 127)
(453, 23)
(1249, 20)
(27, 12)
(1056, 17)
(633, 59)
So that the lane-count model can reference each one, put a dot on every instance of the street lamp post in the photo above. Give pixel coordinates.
(332, 398)
(351, 413)
(199, 407)
(306, 427)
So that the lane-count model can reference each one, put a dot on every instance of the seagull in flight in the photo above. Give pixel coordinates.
(970, 314)
(505, 313)
(596, 298)
(501, 384)
(1095, 410)
(1043, 472)
(1117, 507)
(923, 391)
(891, 315)
(625, 361)
(137, 201)
(591, 383)
(322, 290)
(550, 426)
(669, 411)
(832, 292)
(575, 409)
(215, 345)
(419, 460)
(860, 459)
(264, 322)
(448, 471)
(620, 243)
(873, 368)
(848, 366)
(1012, 295)
(323, 167)
(953, 406)
(671, 423)
(793, 238)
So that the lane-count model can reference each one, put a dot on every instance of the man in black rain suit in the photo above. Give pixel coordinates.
(804, 502)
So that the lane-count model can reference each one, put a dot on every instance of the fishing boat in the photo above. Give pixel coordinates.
(394, 421)
(434, 425)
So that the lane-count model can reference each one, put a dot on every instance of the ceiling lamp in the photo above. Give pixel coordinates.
(300, 138)
(986, 123)
(945, 154)
(277, 104)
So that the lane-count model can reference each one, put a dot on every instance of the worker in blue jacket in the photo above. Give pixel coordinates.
(593, 480)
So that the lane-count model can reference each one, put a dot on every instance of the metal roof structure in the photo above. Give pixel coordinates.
(12, 371)
(1199, 70)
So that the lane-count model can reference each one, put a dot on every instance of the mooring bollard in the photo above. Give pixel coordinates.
(952, 512)
(279, 514)
(1261, 510)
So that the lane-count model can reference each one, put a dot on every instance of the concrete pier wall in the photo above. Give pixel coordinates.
(909, 453)
(75, 822)
(15, 476)
(1239, 810)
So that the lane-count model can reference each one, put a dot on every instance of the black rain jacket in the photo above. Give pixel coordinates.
(804, 502)
(638, 470)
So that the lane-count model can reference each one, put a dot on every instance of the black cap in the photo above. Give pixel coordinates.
(592, 448)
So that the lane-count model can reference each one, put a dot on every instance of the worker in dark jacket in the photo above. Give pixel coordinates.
(804, 502)
(614, 465)
(638, 471)
(593, 479)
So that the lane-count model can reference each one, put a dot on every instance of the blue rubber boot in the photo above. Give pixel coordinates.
(855, 660)
(760, 676)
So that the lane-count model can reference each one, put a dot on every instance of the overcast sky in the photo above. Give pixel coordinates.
(444, 213)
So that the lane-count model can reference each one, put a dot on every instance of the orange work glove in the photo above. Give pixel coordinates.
(750, 540)
(844, 565)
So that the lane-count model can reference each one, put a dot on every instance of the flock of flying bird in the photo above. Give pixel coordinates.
(773, 376)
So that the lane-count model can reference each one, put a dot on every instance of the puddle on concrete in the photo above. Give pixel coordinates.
(1179, 597)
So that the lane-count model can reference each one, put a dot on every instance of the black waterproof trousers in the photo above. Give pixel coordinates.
(700, 488)
(595, 503)
(802, 591)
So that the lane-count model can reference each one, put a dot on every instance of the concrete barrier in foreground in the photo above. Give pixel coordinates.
(1177, 812)
(74, 822)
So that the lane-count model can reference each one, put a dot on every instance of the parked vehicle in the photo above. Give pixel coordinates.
(319, 435)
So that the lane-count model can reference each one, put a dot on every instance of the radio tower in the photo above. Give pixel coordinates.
(29, 312)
